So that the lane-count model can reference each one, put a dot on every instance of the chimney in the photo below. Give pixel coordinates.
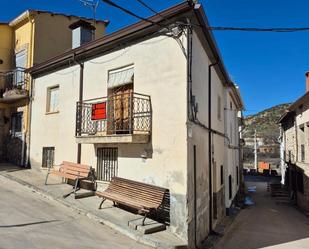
(82, 32)
(307, 81)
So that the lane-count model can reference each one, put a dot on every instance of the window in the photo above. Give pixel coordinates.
(20, 62)
(48, 157)
(52, 99)
(231, 133)
(107, 163)
(16, 123)
(219, 107)
(302, 149)
(221, 175)
(237, 175)
(231, 105)
(230, 187)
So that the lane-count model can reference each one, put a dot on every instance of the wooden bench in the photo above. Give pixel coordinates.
(145, 198)
(73, 171)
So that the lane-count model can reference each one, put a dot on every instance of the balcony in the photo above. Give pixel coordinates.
(13, 86)
(119, 118)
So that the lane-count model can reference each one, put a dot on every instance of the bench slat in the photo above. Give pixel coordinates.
(143, 195)
(144, 185)
(127, 201)
(147, 189)
(82, 170)
(76, 173)
(76, 165)
(67, 176)
(139, 199)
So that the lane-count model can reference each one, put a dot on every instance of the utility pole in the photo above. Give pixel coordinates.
(255, 152)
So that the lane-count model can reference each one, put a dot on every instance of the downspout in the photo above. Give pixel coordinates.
(190, 118)
(210, 144)
(26, 149)
(80, 99)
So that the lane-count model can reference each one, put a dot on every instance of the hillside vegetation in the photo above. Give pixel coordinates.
(265, 122)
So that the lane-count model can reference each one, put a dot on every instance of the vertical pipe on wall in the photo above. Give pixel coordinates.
(210, 143)
(26, 140)
(80, 99)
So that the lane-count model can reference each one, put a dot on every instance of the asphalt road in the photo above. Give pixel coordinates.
(30, 221)
(266, 224)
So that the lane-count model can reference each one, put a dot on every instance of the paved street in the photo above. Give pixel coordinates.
(28, 220)
(267, 225)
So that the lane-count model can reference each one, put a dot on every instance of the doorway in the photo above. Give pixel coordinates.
(120, 106)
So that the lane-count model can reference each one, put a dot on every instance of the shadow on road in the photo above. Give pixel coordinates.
(28, 224)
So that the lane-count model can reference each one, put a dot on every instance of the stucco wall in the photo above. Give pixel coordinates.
(23, 39)
(6, 47)
(58, 129)
(53, 36)
(198, 137)
(159, 71)
(232, 144)
(302, 121)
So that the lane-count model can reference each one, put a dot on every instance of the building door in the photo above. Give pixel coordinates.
(120, 102)
(107, 163)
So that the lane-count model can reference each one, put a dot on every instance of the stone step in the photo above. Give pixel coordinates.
(150, 226)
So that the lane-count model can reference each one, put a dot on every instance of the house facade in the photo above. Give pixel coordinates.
(295, 146)
(150, 103)
(29, 39)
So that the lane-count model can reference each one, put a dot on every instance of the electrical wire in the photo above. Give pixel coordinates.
(280, 30)
(213, 28)
(129, 12)
(151, 9)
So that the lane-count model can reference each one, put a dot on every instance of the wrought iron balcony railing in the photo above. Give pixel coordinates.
(126, 113)
(13, 80)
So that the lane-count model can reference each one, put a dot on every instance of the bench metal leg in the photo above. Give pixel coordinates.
(46, 178)
(75, 186)
(100, 206)
(143, 222)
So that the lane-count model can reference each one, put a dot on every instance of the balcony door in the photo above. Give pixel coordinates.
(120, 93)
(120, 100)
(21, 63)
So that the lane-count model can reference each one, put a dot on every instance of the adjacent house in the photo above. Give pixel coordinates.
(29, 39)
(151, 102)
(295, 147)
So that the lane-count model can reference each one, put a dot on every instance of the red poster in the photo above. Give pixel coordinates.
(98, 111)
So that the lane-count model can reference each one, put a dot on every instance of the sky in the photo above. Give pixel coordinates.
(269, 68)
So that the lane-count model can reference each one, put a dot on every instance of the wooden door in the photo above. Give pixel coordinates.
(120, 110)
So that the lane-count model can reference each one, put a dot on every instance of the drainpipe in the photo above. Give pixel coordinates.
(210, 144)
(80, 99)
(190, 117)
(26, 138)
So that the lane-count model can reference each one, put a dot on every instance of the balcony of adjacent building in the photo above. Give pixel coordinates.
(118, 118)
(13, 86)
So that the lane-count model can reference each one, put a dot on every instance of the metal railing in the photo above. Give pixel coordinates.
(15, 79)
(127, 113)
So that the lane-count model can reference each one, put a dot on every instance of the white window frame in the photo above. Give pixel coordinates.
(49, 109)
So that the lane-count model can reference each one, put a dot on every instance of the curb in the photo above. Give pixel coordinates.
(133, 235)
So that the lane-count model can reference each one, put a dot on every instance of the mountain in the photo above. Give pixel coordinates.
(265, 122)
